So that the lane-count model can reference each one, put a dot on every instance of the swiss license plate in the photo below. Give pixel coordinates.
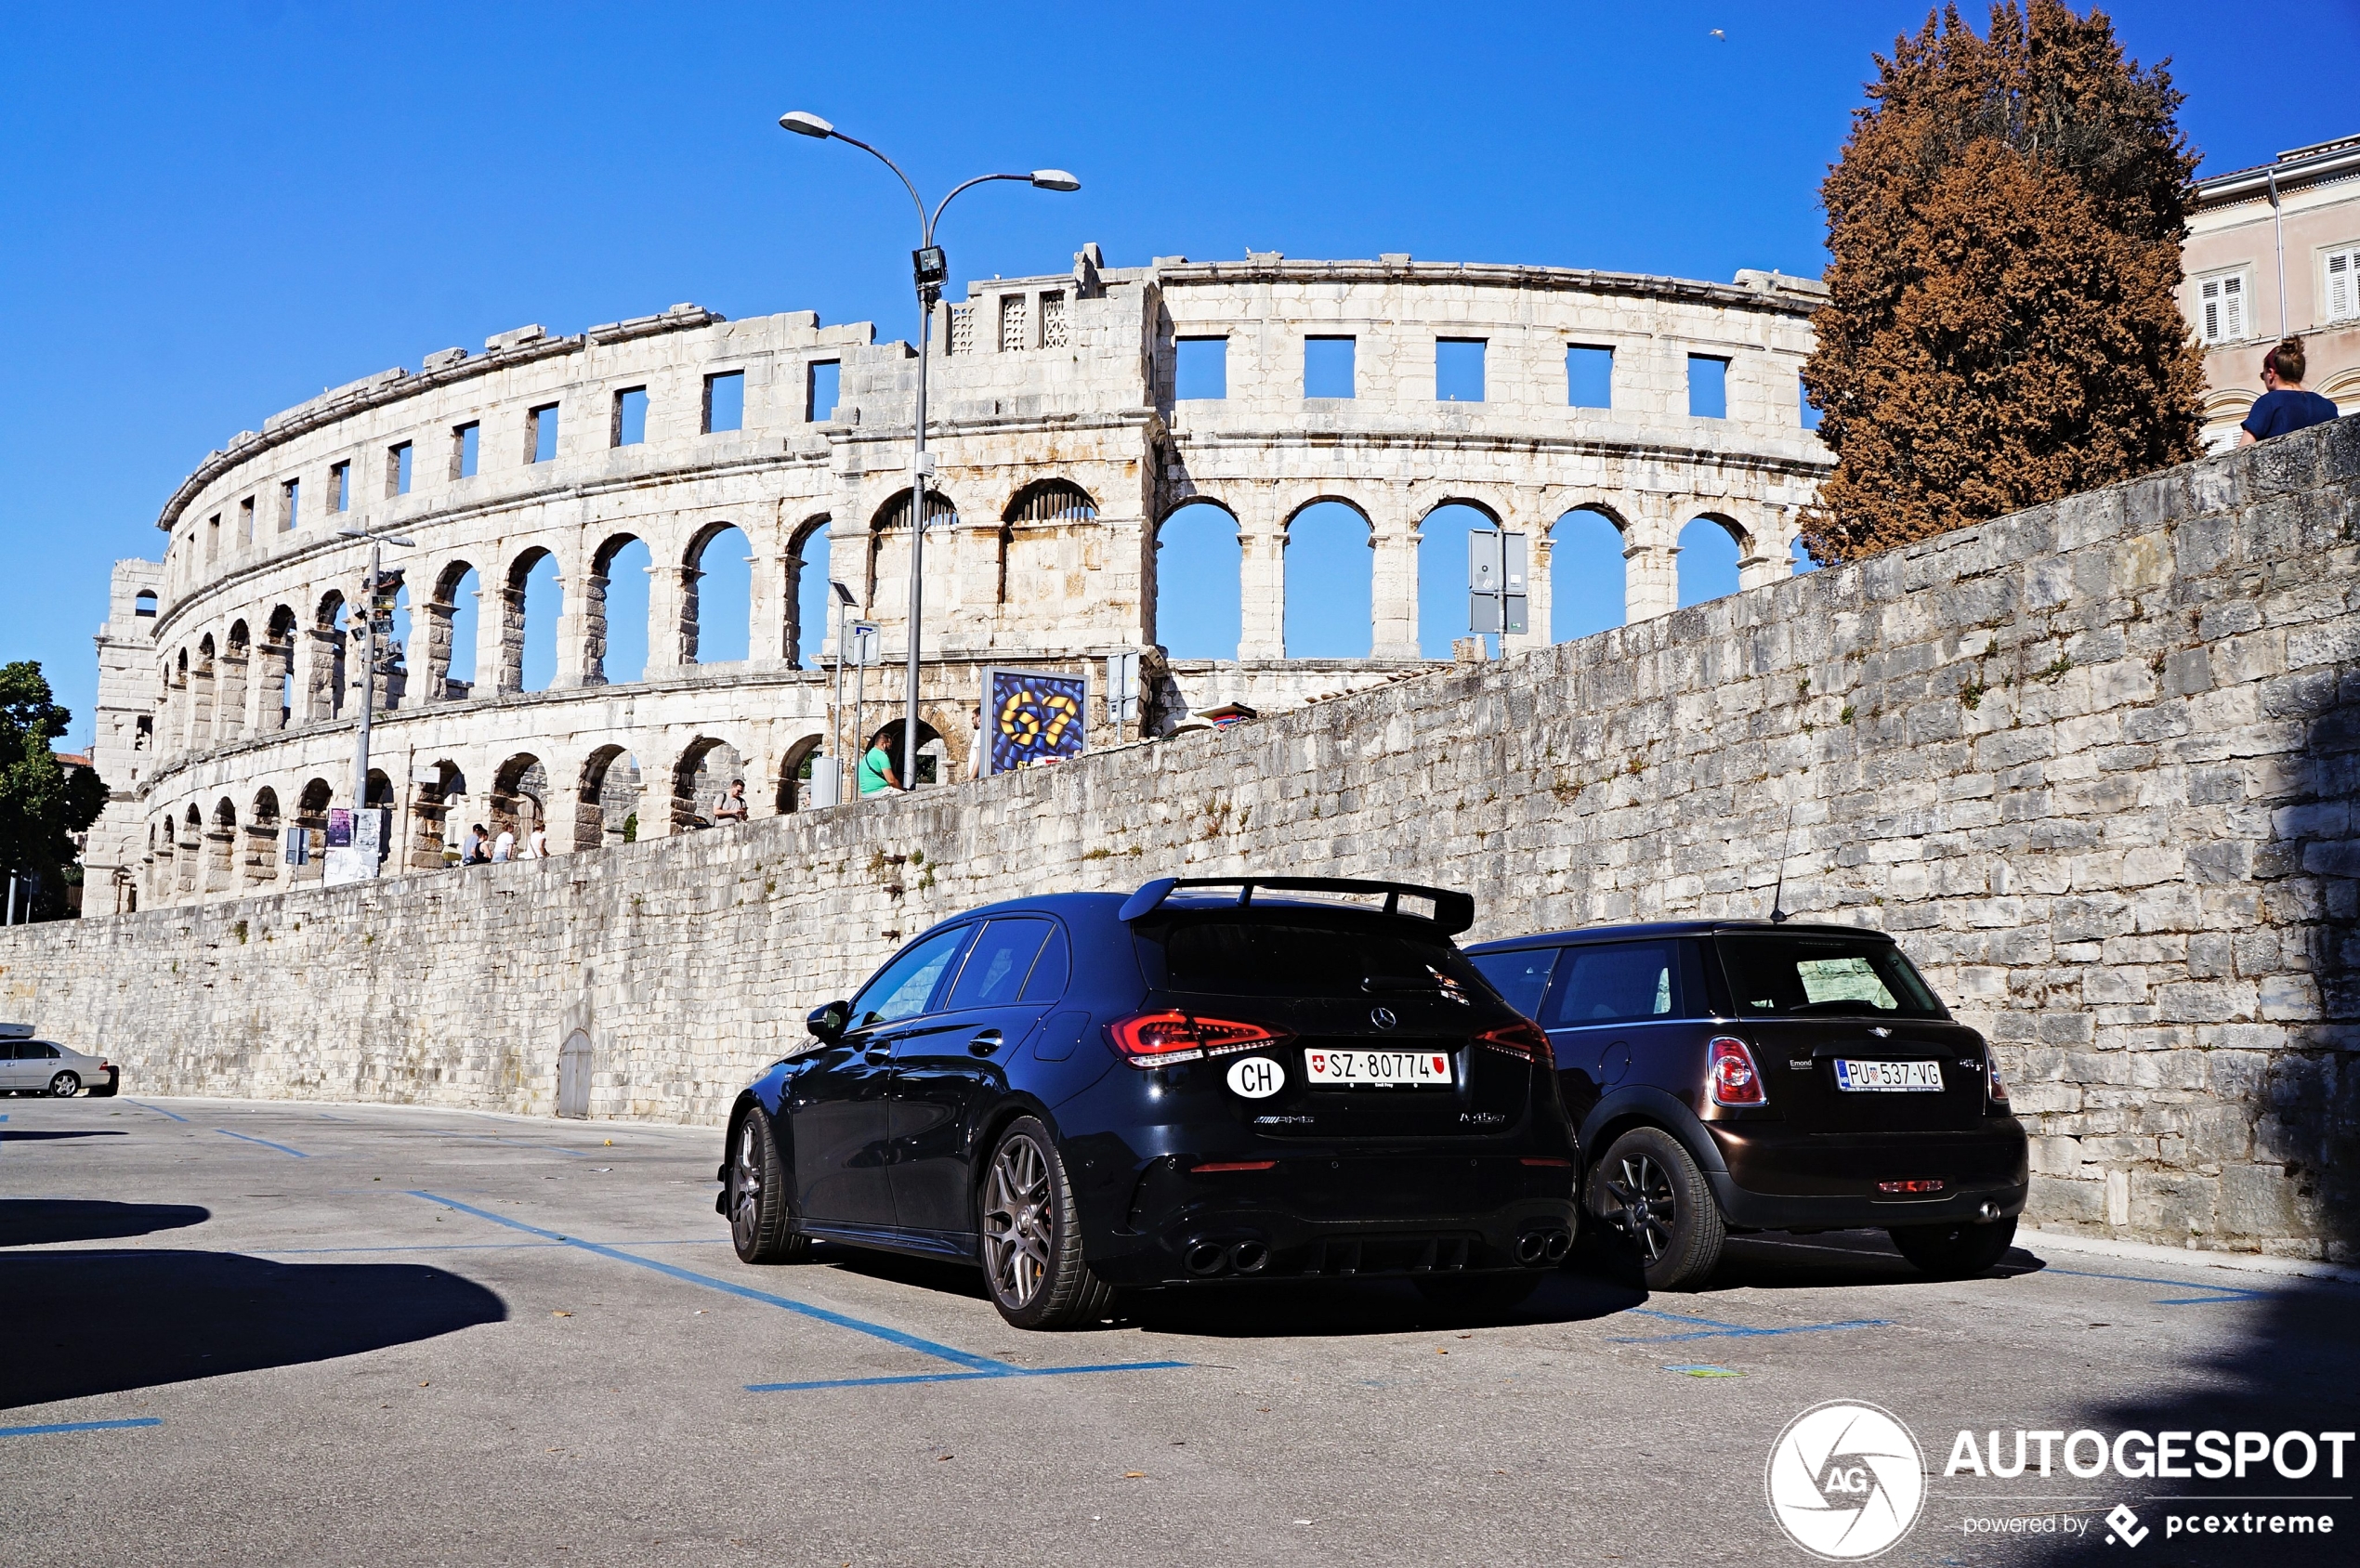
(1889, 1078)
(1397, 1069)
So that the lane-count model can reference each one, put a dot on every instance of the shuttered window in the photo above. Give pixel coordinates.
(2221, 307)
(2343, 284)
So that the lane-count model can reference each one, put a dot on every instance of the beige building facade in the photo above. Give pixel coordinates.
(2273, 251)
(1070, 418)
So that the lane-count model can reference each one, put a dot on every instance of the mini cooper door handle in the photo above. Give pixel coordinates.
(985, 1043)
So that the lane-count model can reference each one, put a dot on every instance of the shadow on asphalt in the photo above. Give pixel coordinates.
(1833, 1259)
(26, 1135)
(77, 1323)
(34, 1221)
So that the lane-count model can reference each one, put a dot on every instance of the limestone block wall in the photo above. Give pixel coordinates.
(2094, 764)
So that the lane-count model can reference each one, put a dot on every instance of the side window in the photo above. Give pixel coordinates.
(1617, 983)
(42, 1049)
(1520, 977)
(1051, 970)
(998, 963)
(904, 987)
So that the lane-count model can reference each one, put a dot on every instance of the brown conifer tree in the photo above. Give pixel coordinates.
(2002, 326)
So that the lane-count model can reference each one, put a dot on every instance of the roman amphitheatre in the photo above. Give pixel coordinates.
(561, 486)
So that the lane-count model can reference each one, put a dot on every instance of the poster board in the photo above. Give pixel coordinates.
(1031, 717)
(355, 845)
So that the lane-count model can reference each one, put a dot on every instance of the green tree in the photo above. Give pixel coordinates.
(42, 803)
(2002, 325)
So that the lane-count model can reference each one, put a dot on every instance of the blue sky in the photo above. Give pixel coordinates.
(211, 213)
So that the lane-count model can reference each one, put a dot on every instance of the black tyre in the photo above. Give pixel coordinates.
(1646, 1187)
(65, 1086)
(1031, 1235)
(761, 1221)
(1479, 1296)
(1959, 1250)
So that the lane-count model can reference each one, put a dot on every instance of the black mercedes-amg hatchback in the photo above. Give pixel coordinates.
(1280, 1078)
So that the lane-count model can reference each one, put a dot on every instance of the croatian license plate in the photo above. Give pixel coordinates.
(1396, 1068)
(1889, 1078)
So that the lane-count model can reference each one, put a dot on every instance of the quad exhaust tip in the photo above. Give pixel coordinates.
(1248, 1257)
(1207, 1259)
(1537, 1249)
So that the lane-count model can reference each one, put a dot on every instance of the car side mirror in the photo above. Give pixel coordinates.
(826, 1022)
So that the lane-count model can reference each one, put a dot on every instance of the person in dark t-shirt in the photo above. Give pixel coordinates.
(2286, 407)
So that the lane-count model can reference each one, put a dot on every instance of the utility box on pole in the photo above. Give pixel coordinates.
(1122, 689)
(1496, 577)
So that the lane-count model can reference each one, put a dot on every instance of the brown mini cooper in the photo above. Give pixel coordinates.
(1741, 1076)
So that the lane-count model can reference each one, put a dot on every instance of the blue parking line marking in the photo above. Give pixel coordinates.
(965, 1376)
(1711, 1329)
(80, 1425)
(876, 1330)
(264, 1142)
(487, 1138)
(2221, 1292)
(158, 1109)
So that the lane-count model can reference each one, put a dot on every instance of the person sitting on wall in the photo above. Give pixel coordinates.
(881, 766)
(731, 807)
(479, 847)
(2286, 407)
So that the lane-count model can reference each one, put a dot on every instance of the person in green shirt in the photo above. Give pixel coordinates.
(880, 766)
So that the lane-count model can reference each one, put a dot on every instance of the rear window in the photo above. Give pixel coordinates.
(1280, 957)
(1777, 976)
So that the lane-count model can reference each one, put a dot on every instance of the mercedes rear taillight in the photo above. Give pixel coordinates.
(1522, 1039)
(1150, 1040)
(1733, 1077)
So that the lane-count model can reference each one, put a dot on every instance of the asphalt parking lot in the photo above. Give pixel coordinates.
(269, 1333)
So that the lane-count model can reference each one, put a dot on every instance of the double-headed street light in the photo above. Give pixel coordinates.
(930, 268)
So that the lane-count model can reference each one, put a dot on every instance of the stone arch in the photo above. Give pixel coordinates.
(1705, 570)
(448, 610)
(201, 693)
(520, 793)
(893, 517)
(230, 693)
(1582, 566)
(1035, 544)
(736, 572)
(221, 848)
(593, 608)
(794, 772)
(1325, 527)
(705, 768)
(275, 703)
(430, 828)
(513, 612)
(607, 799)
(1196, 594)
(1444, 606)
(262, 838)
(311, 815)
(329, 640)
(190, 846)
(806, 595)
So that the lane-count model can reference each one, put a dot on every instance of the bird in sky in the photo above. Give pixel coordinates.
(1718, 33)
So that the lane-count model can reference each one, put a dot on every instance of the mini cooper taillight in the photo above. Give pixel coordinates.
(1522, 1039)
(1735, 1080)
(1997, 1087)
(1150, 1040)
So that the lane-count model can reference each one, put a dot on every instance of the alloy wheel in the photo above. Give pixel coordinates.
(1016, 1223)
(1645, 1208)
(65, 1086)
(745, 1181)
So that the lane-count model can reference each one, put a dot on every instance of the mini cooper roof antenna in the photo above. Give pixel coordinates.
(1777, 915)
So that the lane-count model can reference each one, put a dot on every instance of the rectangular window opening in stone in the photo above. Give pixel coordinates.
(1810, 410)
(2221, 307)
(245, 521)
(1707, 386)
(1589, 376)
(290, 504)
(1458, 370)
(630, 417)
(1327, 367)
(144, 736)
(213, 536)
(2340, 270)
(821, 380)
(1200, 368)
(963, 329)
(541, 434)
(463, 450)
(1052, 319)
(397, 470)
(340, 486)
(725, 402)
(1015, 330)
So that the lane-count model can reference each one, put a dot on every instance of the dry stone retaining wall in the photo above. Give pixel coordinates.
(2092, 764)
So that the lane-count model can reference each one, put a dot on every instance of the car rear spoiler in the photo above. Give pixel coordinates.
(1453, 913)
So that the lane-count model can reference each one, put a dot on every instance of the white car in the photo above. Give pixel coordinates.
(38, 1066)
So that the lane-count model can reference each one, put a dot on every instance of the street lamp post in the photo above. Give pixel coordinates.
(368, 666)
(930, 268)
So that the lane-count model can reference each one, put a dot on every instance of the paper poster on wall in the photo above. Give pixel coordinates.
(354, 845)
(1031, 716)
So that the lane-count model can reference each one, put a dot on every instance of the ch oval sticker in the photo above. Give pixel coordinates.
(1257, 1078)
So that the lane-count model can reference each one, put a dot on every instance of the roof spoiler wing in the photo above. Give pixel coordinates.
(1453, 913)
